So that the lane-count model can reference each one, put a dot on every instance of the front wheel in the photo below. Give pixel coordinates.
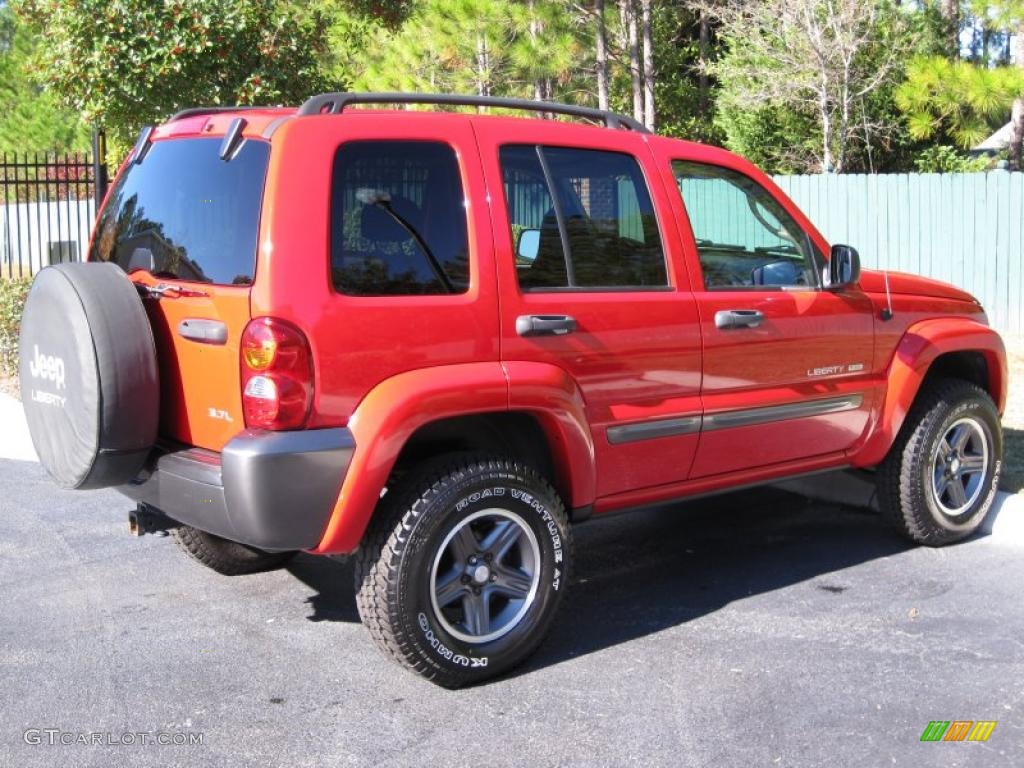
(461, 574)
(940, 477)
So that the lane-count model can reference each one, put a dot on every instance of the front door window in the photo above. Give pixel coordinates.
(745, 239)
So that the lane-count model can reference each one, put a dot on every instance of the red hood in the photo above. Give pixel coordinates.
(873, 281)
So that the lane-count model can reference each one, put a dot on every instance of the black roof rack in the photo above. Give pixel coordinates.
(334, 103)
(196, 111)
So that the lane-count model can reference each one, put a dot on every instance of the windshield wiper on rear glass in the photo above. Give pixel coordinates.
(382, 199)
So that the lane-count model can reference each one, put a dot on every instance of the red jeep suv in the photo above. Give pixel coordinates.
(439, 340)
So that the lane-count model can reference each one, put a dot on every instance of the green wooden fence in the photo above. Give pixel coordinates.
(966, 229)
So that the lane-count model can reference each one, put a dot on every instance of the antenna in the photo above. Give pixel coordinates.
(887, 312)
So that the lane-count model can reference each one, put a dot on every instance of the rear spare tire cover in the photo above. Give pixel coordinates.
(88, 375)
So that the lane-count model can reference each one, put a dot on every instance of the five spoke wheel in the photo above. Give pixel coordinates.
(959, 467)
(485, 575)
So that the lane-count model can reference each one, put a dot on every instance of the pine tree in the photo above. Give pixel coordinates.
(485, 47)
(957, 98)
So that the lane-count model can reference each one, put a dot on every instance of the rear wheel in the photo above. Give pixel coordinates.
(941, 476)
(460, 575)
(227, 557)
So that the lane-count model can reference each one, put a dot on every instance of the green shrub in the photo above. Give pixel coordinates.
(12, 301)
(945, 159)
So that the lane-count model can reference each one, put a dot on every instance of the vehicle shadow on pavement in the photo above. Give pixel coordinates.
(331, 577)
(642, 572)
(1012, 478)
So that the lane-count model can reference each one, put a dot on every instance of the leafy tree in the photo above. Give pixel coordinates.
(352, 28)
(485, 47)
(946, 159)
(30, 119)
(820, 59)
(962, 101)
(1009, 15)
(684, 46)
(124, 63)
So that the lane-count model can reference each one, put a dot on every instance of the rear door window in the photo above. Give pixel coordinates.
(581, 218)
(184, 213)
(398, 220)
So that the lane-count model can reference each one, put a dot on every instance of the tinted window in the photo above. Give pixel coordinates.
(398, 220)
(540, 258)
(184, 213)
(581, 218)
(744, 236)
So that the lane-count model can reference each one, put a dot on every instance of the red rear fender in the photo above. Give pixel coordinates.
(395, 409)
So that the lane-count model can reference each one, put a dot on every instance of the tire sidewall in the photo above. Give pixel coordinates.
(982, 412)
(445, 507)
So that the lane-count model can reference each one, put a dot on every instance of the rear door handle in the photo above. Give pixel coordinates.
(545, 325)
(203, 331)
(738, 318)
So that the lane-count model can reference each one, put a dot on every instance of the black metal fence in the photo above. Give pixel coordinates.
(47, 208)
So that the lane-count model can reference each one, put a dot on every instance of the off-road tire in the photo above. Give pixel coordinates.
(904, 478)
(395, 566)
(227, 557)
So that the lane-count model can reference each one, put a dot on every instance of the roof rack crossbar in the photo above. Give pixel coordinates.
(335, 103)
(196, 111)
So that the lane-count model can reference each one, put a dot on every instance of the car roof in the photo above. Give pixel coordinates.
(262, 122)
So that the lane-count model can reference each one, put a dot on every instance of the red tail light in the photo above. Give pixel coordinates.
(277, 375)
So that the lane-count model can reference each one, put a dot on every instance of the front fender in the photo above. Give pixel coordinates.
(920, 346)
(393, 410)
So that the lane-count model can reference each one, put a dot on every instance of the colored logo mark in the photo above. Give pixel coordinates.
(958, 730)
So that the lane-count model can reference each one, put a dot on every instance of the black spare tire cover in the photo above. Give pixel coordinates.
(88, 375)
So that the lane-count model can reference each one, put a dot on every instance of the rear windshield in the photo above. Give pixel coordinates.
(184, 213)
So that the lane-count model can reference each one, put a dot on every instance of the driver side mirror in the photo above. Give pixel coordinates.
(528, 246)
(843, 266)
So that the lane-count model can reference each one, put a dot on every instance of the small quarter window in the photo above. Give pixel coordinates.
(398, 220)
(581, 218)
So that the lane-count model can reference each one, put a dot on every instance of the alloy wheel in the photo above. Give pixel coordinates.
(485, 575)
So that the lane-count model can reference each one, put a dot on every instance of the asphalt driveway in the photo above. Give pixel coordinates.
(753, 629)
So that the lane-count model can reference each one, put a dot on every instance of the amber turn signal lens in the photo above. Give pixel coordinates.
(259, 347)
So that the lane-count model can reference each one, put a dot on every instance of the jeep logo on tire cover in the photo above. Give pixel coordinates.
(48, 367)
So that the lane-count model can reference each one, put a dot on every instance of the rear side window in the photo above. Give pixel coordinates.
(184, 213)
(398, 220)
(581, 218)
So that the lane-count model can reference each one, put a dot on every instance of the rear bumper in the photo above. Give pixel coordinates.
(271, 490)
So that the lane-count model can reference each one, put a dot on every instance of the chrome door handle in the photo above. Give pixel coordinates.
(545, 325)
(738, 318)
